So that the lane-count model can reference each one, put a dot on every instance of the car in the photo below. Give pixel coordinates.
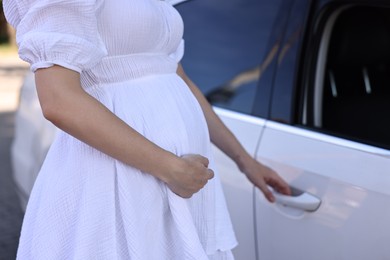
(314, 107)
(305, 87)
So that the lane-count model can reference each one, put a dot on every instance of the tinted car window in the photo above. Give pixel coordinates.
(225, 42)
(356, 86)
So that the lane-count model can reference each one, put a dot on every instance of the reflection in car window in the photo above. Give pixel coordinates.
(225, 43)
(356, 87)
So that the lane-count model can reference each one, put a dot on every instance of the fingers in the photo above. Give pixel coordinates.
(267, 193)
(192, 177)
(262, 176)
(211, 174)
(280, 185)
(183, 194)
(197, 158)
(208, 173)
(204, 161)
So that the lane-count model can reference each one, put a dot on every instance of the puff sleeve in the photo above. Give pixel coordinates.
(178, 54)
(61, 32)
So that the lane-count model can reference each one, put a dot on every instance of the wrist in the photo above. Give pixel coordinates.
(243, 161)
(169, 165)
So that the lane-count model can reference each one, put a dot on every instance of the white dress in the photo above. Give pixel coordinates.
(85, 204)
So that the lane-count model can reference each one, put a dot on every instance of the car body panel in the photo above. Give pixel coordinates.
(350, 178)
(352, 185)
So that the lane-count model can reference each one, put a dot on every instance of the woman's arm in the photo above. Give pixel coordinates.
(259, 174)
(70, 108)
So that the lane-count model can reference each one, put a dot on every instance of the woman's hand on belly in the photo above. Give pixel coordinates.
(191, 175)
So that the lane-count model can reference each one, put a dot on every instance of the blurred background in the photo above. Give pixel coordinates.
(12, 73)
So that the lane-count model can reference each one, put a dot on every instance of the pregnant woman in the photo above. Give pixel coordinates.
(130, 176)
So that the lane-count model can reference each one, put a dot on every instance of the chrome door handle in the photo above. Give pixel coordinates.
(299, 200)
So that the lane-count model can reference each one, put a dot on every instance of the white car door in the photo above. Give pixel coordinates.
(350, 180)
(336, 152)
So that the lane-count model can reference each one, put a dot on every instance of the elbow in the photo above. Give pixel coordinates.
(60, 95)
(56, 87)
(51, 112)
(52, 104)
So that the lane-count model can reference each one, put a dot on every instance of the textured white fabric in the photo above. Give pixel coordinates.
(85, 204)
